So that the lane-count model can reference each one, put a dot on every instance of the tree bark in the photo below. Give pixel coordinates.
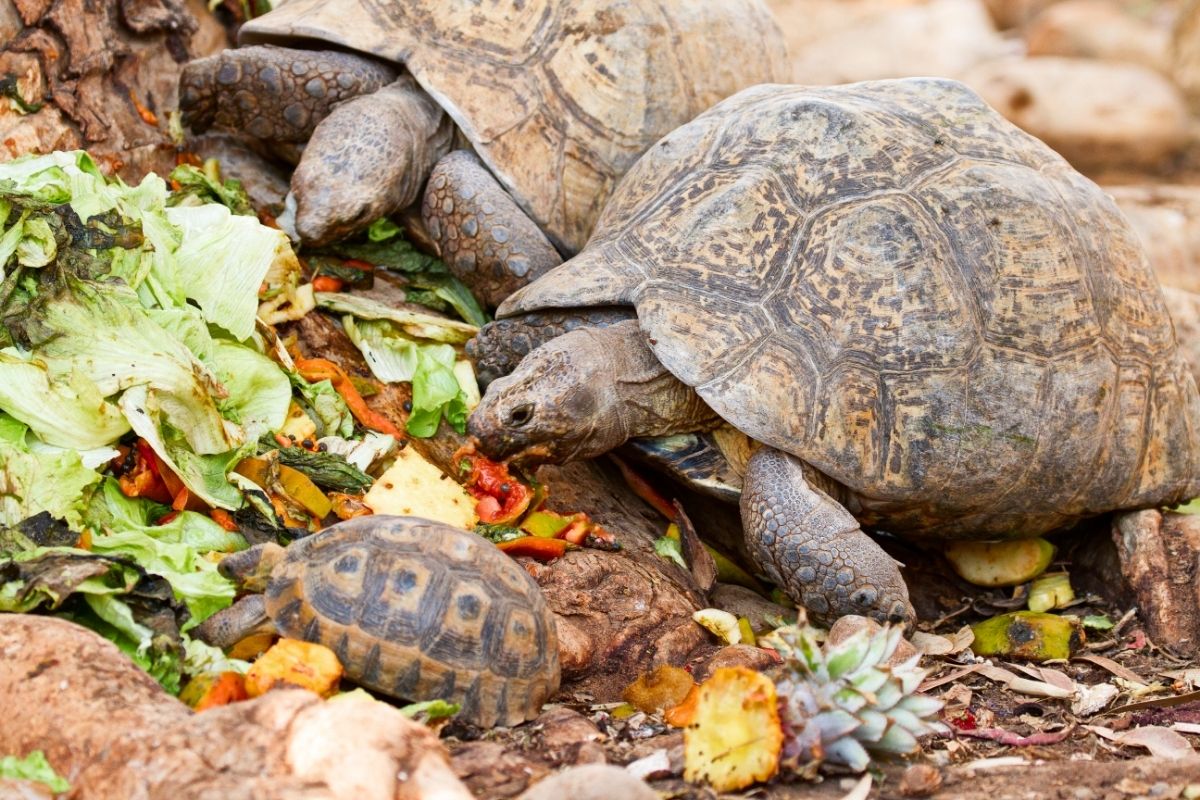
(99, 75)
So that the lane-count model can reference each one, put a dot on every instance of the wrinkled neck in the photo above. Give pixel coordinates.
(646, 399)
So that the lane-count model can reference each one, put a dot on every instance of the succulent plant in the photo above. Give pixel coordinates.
(846, 703)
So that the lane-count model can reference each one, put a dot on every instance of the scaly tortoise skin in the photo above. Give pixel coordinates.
(920, 310)
(419, 610)
(556, 98)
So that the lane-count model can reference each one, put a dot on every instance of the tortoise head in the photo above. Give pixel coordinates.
(251, 569)
(561, 403)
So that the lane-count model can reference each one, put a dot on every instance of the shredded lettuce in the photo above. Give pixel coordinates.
(65, 410)
(33, 767)
(417, 325)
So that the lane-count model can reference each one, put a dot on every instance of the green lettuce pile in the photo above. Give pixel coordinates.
(134, 313)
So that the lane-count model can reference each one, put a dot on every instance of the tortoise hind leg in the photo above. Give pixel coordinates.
(811, 546)
(483, 236)
(274, 93)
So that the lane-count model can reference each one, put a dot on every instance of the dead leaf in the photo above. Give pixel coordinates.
(1161, 742)
(701, 563)
(1022, 685)
(1119, 670)
(1160, 702)
(1190, 678)
(1093, 699)
(1016, 740)
(930, 644)
(1051, 676)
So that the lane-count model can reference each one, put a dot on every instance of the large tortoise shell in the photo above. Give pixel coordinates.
(559, 99)
(420, 610)
(918, 299)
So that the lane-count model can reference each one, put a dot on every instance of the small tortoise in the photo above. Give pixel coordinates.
(414, 609)
(555, 99)
(928, 322)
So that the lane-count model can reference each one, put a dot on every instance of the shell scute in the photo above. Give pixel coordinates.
(421, 610)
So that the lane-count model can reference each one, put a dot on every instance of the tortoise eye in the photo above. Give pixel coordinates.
(520, 415)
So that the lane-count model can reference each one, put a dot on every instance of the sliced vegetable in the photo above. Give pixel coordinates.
(1006, 563)
(1028, 635)
(214, 689)
(325, 469)
(1052, 590)
(535, 547)
(721, 623)
(662, 688)
(292, 662)
(320, 369)
(502, 498)
(735, 737)
(546, 524)
(305, 492)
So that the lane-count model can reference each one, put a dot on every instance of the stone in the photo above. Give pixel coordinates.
(940, 37)
(1099, 116)
(1101, 30)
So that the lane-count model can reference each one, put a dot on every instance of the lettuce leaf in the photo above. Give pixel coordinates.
(33, 767)
(66, 410)
(100, 332)
(259, 391)
(417, 325)
(436, 392)
(222, 261)
(32, 482)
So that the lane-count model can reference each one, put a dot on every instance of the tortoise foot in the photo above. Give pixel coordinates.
(482, 235)
(367, 159)
(811, 546)
(274, 93)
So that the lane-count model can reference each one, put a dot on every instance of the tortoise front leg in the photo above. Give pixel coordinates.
(483, 236)
(811, 546)
(274, 93)
(367, 159)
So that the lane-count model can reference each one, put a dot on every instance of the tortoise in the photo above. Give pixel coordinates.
(925, 320)
(414, 609)
(554, 100)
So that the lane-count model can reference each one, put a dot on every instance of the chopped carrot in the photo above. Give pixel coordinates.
(179, 503)
(318, 369)
(644, 490)
(224, 519)
(535, 547)
(85, 539)
(327, 283)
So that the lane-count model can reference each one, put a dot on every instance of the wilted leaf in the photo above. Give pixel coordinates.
(1161, 742)
(1112, 666)
(1093, 699)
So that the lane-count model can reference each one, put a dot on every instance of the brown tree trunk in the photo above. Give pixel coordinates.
(99, 75)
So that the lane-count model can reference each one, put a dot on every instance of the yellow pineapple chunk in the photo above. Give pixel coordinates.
(413, 487)
(734, 736)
